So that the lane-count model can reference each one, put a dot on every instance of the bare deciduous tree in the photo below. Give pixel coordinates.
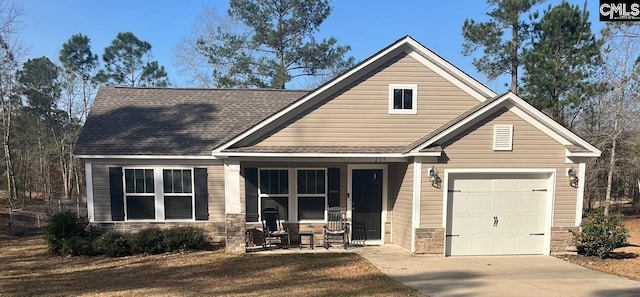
(610, 120)
(10, 51)
(190, 58)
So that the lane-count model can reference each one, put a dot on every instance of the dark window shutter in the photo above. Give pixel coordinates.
(117, 194)
(333, 185)
(202, 193)
(251, 193)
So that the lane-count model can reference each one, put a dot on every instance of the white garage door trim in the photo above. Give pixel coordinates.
(451, 173)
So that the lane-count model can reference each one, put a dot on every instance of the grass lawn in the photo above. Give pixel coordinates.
(27, 270)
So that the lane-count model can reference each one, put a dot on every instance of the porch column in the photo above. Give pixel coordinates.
(88, 173)
(417, 189)
(582, 167)
(234, 217)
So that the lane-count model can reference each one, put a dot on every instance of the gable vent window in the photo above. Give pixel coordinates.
(403, 99)
(503, 137)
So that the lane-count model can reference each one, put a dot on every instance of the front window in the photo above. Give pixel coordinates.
(403, 99)
(159, 194)
(274, 191)
(312, 197)
(139, 194)
(178, 198)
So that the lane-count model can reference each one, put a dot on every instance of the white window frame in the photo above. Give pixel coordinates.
(127, 194)
(298, 196)
(264, 195)
(158, 184)
(192, 194)
(496, 147)
(414, 105)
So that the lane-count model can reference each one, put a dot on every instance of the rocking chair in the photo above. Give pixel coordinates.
(336, 227)
(273, 229)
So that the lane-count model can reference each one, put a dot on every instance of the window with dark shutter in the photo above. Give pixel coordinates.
(251, 193)
(312, 194)
(116, 192)
(274, 190)
(140, 194)
(178, 198)
(333, 187)
(201, 193)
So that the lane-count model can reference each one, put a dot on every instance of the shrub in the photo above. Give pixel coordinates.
(113, 244)
(184, 238)
(601, 234)
(76, 246)
(150, 241)
(63, 226)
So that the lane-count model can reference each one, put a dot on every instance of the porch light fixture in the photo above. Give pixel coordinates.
(573, 177)
(434, 178)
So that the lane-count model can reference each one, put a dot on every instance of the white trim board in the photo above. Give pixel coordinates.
(88, 172)
(146, 157)
(329, 155)
(582, 167)
(417, 194)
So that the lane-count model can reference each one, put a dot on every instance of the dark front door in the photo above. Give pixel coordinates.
(366, 194)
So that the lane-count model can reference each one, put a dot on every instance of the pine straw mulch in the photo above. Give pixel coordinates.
(27, 270)
(624, 261)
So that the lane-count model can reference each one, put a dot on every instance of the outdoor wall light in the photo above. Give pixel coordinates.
(434, 178)
(573, 177)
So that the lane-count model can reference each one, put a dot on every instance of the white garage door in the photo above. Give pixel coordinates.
(496, 215)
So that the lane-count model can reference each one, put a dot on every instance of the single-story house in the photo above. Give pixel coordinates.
(420, 154)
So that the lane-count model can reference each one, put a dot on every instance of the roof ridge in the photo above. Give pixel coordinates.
(205, 89)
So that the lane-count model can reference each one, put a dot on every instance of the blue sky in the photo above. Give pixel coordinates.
(366, 25)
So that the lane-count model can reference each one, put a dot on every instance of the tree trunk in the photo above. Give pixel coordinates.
(612, 164)
(12, 192)
(614, 142)
(514, 63)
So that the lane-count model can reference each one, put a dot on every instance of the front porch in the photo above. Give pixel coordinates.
(304, 191)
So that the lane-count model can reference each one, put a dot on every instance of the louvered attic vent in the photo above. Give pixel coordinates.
(502, 137)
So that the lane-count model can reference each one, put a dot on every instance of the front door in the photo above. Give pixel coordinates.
(366, 191)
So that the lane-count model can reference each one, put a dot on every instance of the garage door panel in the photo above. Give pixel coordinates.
(517, 202)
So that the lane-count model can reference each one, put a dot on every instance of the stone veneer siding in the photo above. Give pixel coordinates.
(387, 233)
(562, 241)
(214, 231)
(430, 241)
(235, 233)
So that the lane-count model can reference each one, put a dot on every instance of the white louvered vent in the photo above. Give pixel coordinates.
(502, 137)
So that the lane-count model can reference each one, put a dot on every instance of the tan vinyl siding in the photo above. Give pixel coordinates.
(101, 193)
(102, 197)
(402, 190)
(359, 116)
(216, 192)
(473, 149)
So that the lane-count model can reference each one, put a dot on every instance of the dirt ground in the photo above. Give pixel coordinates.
(624, 262)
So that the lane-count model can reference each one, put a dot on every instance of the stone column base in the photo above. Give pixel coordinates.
(430, 241)
(235, 233)
(562, 241)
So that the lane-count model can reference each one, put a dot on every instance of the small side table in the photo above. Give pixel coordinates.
(308, 234)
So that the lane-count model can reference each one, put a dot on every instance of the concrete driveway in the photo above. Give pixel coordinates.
(496, 276)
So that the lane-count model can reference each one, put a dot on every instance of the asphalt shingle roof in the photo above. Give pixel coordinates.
(172, 121)
(318, 149)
